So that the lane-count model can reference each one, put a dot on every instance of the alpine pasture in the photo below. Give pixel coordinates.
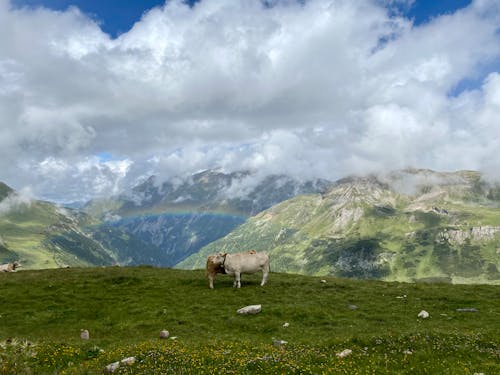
(307, 325)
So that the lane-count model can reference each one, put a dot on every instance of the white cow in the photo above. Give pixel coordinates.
(247, 262)
(9, 267)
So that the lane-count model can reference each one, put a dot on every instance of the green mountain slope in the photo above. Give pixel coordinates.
(409, 225)
(43, 235)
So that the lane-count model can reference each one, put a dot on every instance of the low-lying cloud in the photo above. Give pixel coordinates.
(321, 88)
(16, 202)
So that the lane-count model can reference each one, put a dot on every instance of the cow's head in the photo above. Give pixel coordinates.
(15, 265)
(219, 258)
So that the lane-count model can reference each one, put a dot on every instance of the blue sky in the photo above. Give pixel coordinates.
(118, 16)
(90, 106)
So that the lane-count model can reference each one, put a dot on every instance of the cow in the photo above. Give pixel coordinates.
(246, 262)
(212, 270)
(9, 267)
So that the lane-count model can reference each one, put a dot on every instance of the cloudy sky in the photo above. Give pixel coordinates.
(93, 98)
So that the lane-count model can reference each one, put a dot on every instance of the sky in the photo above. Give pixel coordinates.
(95, 96)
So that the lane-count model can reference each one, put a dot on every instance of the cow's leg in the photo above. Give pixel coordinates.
(237, 280)
(211, 280)
(264, 278)
(265, 273)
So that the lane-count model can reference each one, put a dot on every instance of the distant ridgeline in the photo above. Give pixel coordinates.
(179, 217)
(410, 225)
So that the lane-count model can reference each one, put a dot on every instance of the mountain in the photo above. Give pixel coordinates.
(5, 190)
(179, 216)
(43, 235)
(408, 225)
(238, 193)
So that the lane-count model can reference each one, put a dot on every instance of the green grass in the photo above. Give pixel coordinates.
(124, 309)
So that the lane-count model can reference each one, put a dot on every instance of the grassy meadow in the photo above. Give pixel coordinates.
(124, 309)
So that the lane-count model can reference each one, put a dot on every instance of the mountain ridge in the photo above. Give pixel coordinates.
(180, 216)
(406, 225)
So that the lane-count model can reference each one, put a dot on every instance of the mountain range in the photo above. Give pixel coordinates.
(154, 223)
(411, 225)
(181, 216)
(408, 225)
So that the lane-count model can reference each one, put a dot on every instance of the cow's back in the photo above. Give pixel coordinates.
(246, 262)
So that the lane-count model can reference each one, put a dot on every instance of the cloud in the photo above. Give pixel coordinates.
(84, 178)
(17, 201)
(319, 88)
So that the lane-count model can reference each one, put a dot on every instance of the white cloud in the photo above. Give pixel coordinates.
(321, 89)
(17, 201)
(83, 178)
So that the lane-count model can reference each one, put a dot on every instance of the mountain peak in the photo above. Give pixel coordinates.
(5, 190)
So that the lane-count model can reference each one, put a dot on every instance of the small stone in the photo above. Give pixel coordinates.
(344, 353)
(323, 281)
(164, 334)
(279, 342)
(128, 361)
(252, 309)
(423, 314)
(286, 325)
(112, 367)
(352, 307)
(468, 309)
(84, 334)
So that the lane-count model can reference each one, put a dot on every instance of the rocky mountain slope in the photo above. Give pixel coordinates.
(408, 225)
(180, 216)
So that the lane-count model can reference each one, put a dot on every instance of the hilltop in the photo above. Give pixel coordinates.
(408, 225)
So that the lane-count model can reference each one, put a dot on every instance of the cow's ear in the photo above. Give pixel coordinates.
(224, 254)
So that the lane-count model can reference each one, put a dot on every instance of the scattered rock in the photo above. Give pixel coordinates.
(468, 309)
(112, 367)
(407, 352)
(164, 334)
(84, 334)
(344, 353)
(352, 307)
(423, 314)
(323, 281)
(286, 325)
(252, 309)
(279, 343)
(128, 361)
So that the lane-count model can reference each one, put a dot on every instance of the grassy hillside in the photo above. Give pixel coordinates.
(124, 310)
(408, 226)
(42, 235)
